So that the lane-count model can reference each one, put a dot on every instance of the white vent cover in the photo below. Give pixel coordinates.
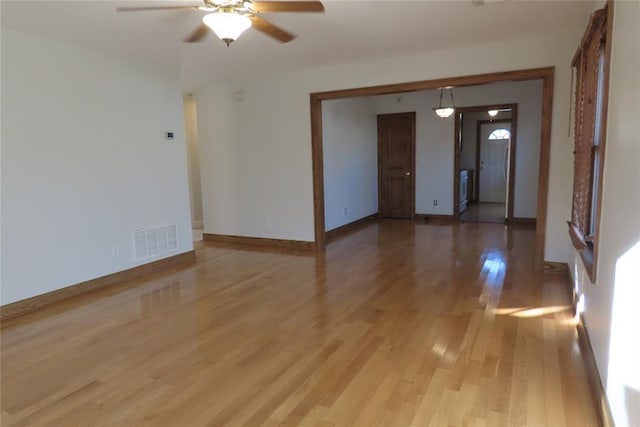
(155, 241)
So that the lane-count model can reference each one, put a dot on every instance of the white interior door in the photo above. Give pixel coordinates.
(494, 155)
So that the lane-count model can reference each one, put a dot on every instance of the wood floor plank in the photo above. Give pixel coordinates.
(553, 386)
(399, 323)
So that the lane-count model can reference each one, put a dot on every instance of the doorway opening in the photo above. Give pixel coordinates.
(193, 165)
(542, 75)
(485, 163)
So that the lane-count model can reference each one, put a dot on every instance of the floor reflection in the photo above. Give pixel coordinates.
(160, 298)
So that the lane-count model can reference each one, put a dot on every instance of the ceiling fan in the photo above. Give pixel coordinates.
(229, 18)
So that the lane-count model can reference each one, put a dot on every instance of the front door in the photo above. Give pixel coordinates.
(494, 162)
(396, 154)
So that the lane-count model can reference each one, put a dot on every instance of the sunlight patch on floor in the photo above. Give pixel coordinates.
(532, 312)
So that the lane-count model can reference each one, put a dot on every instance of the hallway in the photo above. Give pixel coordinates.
(400, 323)
(484, 212)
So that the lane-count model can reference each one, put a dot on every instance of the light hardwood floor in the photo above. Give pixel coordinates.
(398, 324)
(484, 212)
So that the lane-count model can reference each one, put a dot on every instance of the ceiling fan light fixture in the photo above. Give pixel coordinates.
(228, 26)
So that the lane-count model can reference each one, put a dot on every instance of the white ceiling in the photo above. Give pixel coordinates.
(348, 31)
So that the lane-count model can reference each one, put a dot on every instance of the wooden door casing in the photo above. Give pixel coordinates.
(396, 165)
(544, 74)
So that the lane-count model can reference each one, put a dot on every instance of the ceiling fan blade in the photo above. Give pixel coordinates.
(287, 6)
(270, 29)
(198, 34)
(143, 8)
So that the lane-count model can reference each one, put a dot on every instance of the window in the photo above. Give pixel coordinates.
(591, 65)
(500, 134)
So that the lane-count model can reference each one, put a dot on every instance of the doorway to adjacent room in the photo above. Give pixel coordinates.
(485, 155)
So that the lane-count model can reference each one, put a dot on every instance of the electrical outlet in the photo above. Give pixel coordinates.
(345, 211)
(435, 202)
(114, 251)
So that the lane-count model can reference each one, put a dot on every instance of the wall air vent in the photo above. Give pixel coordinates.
(155, 241)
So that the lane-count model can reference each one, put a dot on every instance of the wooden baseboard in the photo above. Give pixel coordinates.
(598, 395)
(557, 268)
(595, 384)
(259, 241)
(521, 221)
(38, 302)
(332, 235)
(437, 219)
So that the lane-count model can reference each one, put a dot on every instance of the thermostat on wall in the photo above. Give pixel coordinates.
(168, 135)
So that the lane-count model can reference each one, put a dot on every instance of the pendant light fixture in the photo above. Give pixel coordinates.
(445, 111)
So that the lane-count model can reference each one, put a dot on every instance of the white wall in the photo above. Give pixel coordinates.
(193, 157)
(611, 304)
(434, 149)
(256, 153)
(84, 163)
(435, 136)
(468, 148)
(350, 155)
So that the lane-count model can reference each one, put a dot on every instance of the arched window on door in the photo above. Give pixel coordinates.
(500, 134)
